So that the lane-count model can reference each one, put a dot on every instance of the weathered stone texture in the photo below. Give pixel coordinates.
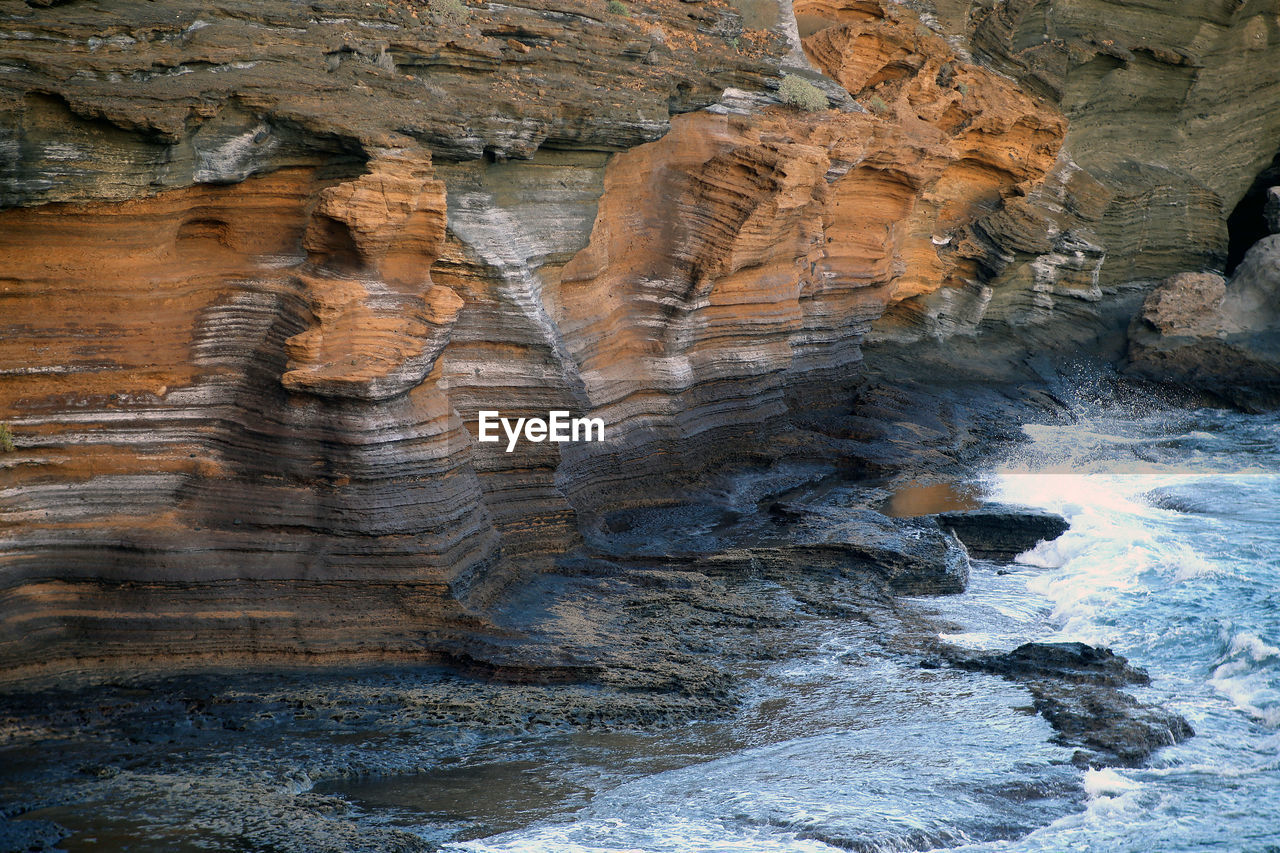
(1172, 113)
(1218, 337)
(260, 268)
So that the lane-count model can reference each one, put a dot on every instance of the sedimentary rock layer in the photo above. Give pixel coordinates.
(1172, 114)
(261, 268)
(245, 408)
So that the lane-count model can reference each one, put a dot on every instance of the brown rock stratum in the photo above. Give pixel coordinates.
(261, 268)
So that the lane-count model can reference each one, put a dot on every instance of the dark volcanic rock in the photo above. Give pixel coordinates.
(1075, 688)
(1112, 726)
(1075, 662)
(904, 556)
(912, 555)
(913, 559)
(227, 761)
(919, 569)
(1002, 534)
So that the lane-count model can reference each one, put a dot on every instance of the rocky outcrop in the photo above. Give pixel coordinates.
(1074, 662)
(1076, 688)
(266, 760)
(285, 257)
(262, 268)
(1001, 534)
(1171, 116)
(388, 321)
(1219, 338)
(129, 101)
(230, 293)
(1271, 210)
(903, 567)
(1187, 304)
(898, 556)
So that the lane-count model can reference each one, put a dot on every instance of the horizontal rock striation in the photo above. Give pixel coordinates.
(117, 103)
(262, 268)
(223, 336)
(1171, 116)
(169, 493)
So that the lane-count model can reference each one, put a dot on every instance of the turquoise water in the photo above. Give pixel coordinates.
(1173, 560)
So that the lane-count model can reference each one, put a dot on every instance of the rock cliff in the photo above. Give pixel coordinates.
(261, 268)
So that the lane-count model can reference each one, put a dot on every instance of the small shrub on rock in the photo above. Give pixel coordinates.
(616, 7)
(6, 439)
(450, 12)
(802, 94)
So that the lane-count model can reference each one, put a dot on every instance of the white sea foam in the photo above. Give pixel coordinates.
(1116, 549)
(1253, 646)
(1116, 545)
(1191, 565)
(1245, 675)
(1106, 782)
(973, 639)
(676, 835)
(1247, 694)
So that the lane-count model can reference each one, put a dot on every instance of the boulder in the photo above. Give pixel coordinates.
(1218, 340)
(1001, 534)
(1075, 662)
(1271, 210)
(1189, 303)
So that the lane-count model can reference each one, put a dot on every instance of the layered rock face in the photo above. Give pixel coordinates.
(228, 289)
(262, 269)
(1172, 114)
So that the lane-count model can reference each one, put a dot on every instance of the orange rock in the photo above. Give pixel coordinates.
(306, 480)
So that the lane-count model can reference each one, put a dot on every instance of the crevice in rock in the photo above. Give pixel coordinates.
(1247, 223)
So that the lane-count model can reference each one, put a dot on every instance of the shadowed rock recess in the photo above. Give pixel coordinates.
(262, 264)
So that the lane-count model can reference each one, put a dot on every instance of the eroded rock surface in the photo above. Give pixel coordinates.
(1219, 337)
(285, 257)
(263, 267)
(1002, 534)
(1171, 116)
(260, 268)
(1076, 689)
(605, 649)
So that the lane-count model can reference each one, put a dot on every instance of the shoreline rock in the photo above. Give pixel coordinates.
(637, 638)
(1076, 689)
(1220, 338)
(1000, 533)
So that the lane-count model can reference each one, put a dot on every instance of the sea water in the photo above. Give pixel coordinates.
(1172, 559)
